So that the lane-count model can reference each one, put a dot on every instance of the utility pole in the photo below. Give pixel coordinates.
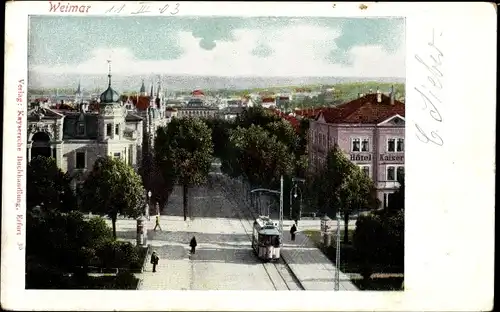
(281, 207)
(337, 256)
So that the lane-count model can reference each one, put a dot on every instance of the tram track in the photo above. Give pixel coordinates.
(276, 271)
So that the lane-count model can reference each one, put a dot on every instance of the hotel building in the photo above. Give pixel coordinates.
(370, 130)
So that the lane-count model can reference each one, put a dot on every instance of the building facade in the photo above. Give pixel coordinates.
(76, 138)
(370, 131)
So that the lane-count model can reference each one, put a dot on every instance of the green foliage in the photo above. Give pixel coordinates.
(220, 135)
(117, 254)
(397, 199)
(260, 157)
(64, 241)
(184, 151)
(341, 185)
(379, 239)
(257, 116)
(112, 188)
(48, 187)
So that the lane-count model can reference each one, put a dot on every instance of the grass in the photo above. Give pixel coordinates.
(385, 277)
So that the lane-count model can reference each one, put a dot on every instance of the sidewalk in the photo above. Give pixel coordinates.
(311, 267)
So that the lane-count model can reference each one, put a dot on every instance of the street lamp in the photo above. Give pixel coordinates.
(294, 188)
(148, 204)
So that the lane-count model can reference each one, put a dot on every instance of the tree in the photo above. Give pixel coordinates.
(357, 192)
(260, 156)
(48, 187)
(341, 185)
(112, 188)
(184, 153)
(397, 199)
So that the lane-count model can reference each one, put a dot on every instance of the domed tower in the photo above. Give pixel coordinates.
(111, 120)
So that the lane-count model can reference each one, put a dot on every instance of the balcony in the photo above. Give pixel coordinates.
(387, 185)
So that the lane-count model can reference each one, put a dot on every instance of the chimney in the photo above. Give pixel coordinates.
(392, 95)
(379, 96)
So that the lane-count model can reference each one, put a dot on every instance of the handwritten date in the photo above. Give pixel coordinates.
(431, 89)
(146, 7)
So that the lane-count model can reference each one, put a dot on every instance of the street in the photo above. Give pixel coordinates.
(223, 260)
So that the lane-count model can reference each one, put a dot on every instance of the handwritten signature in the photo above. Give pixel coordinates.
(430, 94)
(144, 7)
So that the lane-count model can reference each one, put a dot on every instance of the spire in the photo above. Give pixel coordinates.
(143, 88)
(151, 94)
(78, 89)
(109, 73)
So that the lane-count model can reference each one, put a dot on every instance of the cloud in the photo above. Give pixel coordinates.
(299, 50)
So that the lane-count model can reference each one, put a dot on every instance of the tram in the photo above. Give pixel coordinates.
(266, 241)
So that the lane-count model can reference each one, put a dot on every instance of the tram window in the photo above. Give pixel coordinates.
(264, 239)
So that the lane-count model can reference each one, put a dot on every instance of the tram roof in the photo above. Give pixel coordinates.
(269, 231)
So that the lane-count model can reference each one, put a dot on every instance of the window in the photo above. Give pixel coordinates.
(108, 129)
(365, 145)
(391, 145)
(117, 129)
(400, 172)
(391, 174)
(117, 155)
(400, 147)
(366, 170)
(80, 160)
(81, 128)
(395, 172)
(355, 145)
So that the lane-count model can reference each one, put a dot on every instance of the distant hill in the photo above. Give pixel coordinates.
(122, 84)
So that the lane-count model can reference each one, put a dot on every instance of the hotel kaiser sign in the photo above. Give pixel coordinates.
(360, 157)
(392, 158)
(382, 158)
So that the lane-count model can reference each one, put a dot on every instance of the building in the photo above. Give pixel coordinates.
(77, 137)
(371, 132)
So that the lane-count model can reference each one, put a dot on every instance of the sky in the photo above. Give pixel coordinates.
(218, 46)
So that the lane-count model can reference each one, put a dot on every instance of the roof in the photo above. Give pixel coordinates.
(197, 93)
(132, 117)
(309, 112)
(292, 120)
(269, 231)
(364, 110)
(141, 102)
(268, 100)
(109, 96)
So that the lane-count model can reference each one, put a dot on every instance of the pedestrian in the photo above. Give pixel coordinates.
(193, 245)
(154, 260)
(157, 223)
(293, 230)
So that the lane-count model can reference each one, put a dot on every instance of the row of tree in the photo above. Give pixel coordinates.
(110, 189)
(61, 243)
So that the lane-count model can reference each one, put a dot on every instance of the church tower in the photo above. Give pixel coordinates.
(111, 119)
(142, 91)
(78, 94)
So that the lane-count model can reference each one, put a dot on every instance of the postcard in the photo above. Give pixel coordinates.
(248, 156)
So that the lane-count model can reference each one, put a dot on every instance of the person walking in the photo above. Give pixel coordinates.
(293, 230)
(193, 245)
(154, 260)
(157, 223)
